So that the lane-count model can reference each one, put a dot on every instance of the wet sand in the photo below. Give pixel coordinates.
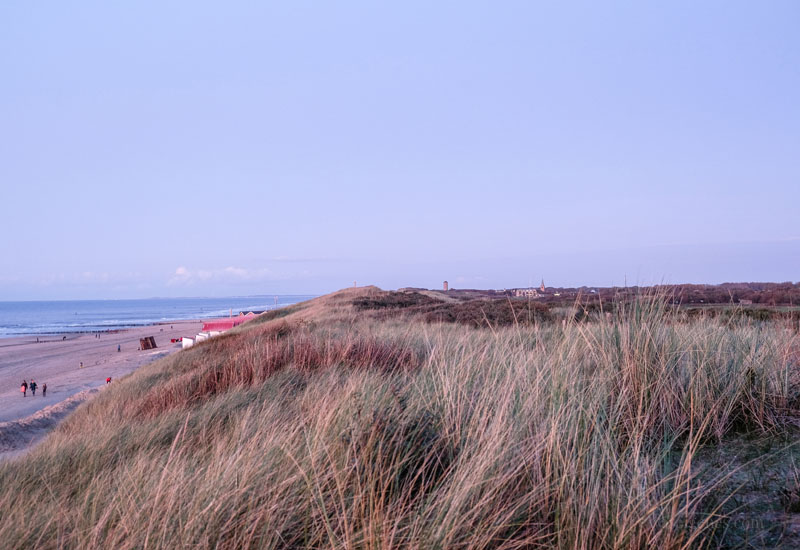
(56, 361)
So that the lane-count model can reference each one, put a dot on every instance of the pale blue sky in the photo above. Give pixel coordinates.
(194, 148)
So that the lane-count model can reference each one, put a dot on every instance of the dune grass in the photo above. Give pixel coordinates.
(329, 428)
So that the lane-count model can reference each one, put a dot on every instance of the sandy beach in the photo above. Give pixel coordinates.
(56, 360)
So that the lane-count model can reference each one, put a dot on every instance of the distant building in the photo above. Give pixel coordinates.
(542, 285)
(745, 302)
(525, 293)
(445, 286)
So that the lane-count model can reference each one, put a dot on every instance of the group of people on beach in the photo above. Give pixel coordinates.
(25, 386)
(32, 386)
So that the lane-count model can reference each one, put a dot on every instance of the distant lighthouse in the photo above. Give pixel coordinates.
(445, 286)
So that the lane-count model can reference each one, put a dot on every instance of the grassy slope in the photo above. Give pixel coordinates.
(342, 426)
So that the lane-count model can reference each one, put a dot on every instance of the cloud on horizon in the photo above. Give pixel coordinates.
(183, 276)
(670, 264)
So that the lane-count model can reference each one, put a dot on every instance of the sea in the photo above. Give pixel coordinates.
(59, 317)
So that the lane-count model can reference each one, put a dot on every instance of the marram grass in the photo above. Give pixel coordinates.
(330, 429)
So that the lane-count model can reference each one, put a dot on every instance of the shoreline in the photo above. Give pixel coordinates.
(77, 362)
(54, 337)
(57, 335)
(48, 319)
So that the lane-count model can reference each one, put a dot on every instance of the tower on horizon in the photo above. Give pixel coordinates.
(542, 286)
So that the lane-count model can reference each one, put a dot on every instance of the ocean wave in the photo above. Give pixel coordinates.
(38, 318)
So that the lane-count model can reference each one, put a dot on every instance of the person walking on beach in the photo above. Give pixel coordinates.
(33, 386)
(24, 388)
(44, 389)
